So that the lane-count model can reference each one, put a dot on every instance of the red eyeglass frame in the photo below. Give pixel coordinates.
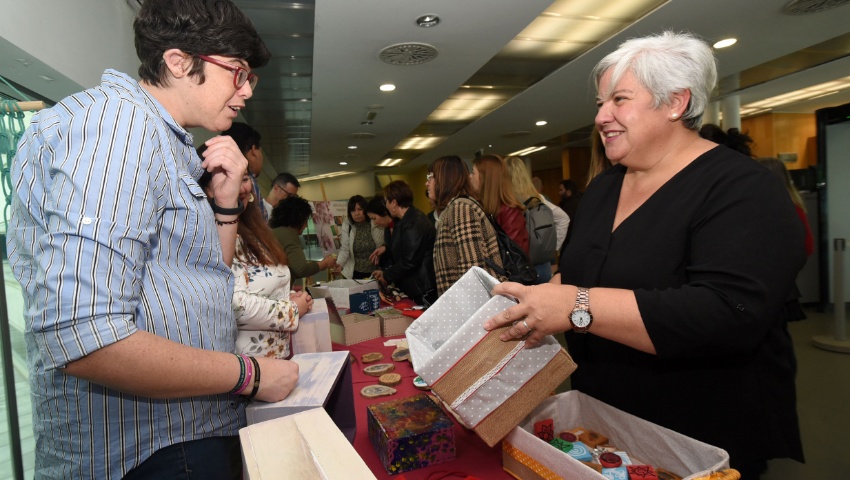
(250, 78)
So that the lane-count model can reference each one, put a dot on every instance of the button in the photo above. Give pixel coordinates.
(740, 307)
(86, 221)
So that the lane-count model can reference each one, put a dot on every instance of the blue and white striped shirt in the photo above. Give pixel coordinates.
(109, 234)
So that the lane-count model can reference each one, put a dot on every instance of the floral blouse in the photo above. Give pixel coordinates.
(264, 314)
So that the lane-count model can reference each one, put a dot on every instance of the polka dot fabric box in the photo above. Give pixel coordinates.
(489, 384)
(527, 457)
(410, 433)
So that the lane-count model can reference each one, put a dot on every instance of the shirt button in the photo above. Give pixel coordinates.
(740, 307)
(86, 221)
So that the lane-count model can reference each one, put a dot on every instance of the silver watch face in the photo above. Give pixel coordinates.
(580, 318)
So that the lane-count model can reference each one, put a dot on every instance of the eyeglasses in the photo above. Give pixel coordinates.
(287, 192)
(240, 75)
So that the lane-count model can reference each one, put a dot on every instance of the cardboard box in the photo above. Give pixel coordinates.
(324, 380)
(364, 302)
(393, 322)
(314, 330)
(303, 445)
(527, 457)
(410, 433)
(489, 384)
(341, 290)
(351, 328)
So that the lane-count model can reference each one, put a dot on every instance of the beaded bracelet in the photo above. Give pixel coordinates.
(256, 378)
(232, 222)
(241, 375)
(249, 373)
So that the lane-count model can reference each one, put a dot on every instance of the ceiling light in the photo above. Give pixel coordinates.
(23, 61)
(325, 175)
(526, 151)
(343, 163)
(352, 147)
(428, 20)
(387, 87)
(540, 123)
(45, 78)
(726, 42)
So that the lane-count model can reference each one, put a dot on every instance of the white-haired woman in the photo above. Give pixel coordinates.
(671, 289)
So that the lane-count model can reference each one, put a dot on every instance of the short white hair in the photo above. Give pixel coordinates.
(665, 64)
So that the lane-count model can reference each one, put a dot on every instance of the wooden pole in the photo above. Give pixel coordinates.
(26, 107)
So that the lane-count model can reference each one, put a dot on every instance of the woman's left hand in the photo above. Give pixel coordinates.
(375, 257)
(379, 276)
(542, 310)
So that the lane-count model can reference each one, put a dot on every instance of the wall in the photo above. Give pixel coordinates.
(340, 188)
(416, 180)
(777, 133)
(82, 27)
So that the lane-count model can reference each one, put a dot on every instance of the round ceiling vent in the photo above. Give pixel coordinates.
(408, 54)
(803, 7)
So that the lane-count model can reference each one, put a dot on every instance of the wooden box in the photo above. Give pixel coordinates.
(410, 433)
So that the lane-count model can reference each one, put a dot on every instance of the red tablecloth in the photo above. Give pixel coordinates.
(474, 458)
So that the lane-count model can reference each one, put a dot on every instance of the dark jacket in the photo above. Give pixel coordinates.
(412, 248)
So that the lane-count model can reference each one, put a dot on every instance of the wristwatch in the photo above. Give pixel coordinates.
(580, 317)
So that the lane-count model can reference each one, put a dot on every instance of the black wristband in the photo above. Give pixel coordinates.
(256, 378)
(227, 211)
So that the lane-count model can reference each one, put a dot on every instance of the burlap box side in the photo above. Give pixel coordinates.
(527, 457)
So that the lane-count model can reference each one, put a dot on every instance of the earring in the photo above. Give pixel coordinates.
(674, 117)
(251, 198)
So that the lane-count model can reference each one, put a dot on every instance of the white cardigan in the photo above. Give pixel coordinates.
(345, 256)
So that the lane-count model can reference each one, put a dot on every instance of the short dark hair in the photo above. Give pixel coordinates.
(377, 206)
(244, 135)
(353, 202)
(292, 212)
(285, 178)
(570, 185)
(208, 27)
(399, 191)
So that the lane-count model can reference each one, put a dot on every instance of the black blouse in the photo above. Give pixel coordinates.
(710, 257)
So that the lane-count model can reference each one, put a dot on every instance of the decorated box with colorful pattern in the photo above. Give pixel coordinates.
(410, 433)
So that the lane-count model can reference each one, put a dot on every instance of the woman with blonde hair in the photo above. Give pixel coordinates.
(528, 195)
(492, 186)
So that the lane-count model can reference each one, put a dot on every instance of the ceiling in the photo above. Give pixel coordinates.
(322, 83)
(500, 66)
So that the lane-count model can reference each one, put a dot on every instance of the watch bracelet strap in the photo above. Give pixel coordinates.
(227, 211)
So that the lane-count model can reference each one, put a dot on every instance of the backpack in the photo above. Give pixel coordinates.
(542, 235)
(515, 264)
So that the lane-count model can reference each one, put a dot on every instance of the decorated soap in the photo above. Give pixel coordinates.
(561, 445)
(619, 473)
(580, 452)
(641, 472)
(592, 439)
(544, 430)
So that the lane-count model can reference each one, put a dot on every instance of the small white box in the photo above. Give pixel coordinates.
(324, 380)
(314, 330)
(523, 454)
(303, 445)
(339, 290)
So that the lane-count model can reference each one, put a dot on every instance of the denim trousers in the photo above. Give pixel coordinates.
(207, 458)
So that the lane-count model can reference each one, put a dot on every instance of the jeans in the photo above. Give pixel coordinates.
(207, 458)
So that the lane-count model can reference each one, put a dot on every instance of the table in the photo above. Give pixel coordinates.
(474, 458)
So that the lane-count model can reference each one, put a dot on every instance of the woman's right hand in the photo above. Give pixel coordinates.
(303, 300)
(375, 257)
(277, 379)
(327, 262)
